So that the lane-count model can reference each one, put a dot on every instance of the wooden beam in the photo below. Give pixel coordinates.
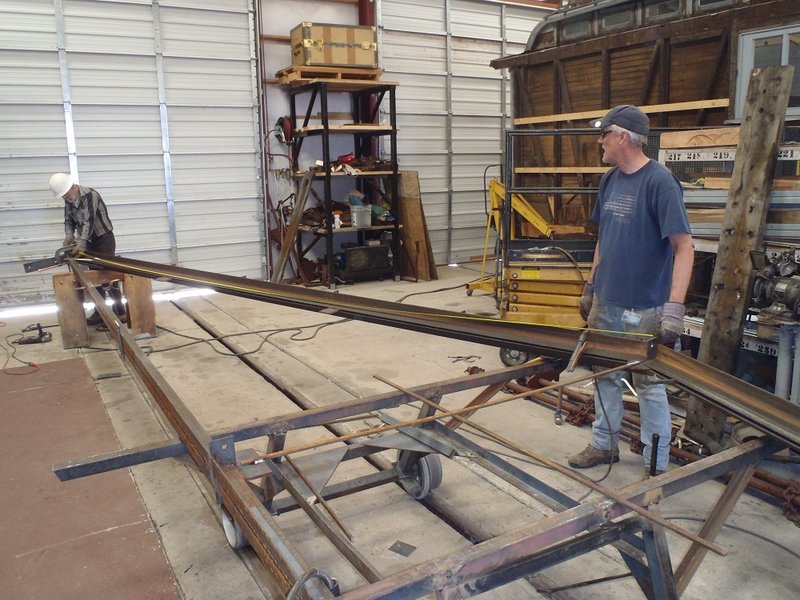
(652, 108)
(742, 232)
(282, 39)
(560, 170)
(719, 67)
(700, 138)
(652, 69)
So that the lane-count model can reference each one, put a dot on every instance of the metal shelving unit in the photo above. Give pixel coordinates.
(366, 97)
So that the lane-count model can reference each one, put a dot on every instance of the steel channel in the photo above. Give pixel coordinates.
(769, 413)
(552, 341)
(273, 549)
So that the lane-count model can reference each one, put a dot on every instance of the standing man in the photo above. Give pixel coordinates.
(87, 225)
(639, 277)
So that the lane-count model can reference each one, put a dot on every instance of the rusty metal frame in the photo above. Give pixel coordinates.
(485, 565)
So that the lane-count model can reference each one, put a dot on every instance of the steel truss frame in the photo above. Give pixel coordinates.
(620, 517)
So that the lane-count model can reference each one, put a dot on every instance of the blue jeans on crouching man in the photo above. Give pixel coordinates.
(652, 396)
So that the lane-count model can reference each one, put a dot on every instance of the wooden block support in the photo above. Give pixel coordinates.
(71, 319)
(69, 301)
(141, 310)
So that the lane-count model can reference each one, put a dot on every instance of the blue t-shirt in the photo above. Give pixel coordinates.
(637, 213)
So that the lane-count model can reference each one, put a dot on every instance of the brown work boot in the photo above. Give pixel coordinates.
(591, 456)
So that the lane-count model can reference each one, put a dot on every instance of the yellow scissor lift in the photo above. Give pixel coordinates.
(543, 280)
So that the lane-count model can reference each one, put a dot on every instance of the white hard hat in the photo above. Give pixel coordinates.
(60, 184)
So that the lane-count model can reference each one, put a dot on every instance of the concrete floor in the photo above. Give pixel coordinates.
(338, 362)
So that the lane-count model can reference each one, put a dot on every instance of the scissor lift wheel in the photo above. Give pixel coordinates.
(233, 533)
(512, 358)
(424, 475)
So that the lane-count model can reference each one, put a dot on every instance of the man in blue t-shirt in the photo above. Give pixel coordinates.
(639, 278)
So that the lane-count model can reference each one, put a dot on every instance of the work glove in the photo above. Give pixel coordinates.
(69, 240)
(671, 325)
(79, 247)
(585, 304)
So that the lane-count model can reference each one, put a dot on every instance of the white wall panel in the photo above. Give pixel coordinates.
(205, 33)
(155, 107)
(108, 27)
(111, 79)
(27, 25)
(452, 106)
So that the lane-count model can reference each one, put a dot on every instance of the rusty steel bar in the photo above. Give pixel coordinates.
(274, 550)
(764, 411)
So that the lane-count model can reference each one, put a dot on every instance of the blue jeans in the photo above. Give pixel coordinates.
(653, 404)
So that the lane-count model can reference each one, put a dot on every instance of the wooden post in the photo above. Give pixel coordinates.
(742, 229)
(71, 318)
(141, 310)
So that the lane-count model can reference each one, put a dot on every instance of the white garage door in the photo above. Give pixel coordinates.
(151, 102)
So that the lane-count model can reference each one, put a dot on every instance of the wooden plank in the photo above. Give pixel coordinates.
(745, 218)
(651, 108)
(555, 170)
(290, 236)
(71, 318)
(141, 309)
(700, 138)
(724, 183)
(349, 128)
(782, 216)
(416, 258)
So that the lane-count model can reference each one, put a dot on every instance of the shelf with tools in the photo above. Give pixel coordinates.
(369, 257)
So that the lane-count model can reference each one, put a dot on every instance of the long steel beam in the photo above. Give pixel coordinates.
(767, 412)
(539, 339)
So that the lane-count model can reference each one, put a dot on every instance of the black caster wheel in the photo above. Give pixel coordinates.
(423, 475)
(512, 358)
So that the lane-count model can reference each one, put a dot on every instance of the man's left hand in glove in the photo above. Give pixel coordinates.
(670, 327)
(80, 246)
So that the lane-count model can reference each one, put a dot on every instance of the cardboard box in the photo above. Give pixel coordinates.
(322, 44)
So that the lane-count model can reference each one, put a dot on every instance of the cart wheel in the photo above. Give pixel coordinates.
(423, 476)
(233, 533)
(512, 358)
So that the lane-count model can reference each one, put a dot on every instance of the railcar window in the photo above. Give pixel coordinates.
(617, 20)
(576, 29)
(702, 5)
(660, 10)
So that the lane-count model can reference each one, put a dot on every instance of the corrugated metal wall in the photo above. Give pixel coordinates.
(153, 103)
(452, 106)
